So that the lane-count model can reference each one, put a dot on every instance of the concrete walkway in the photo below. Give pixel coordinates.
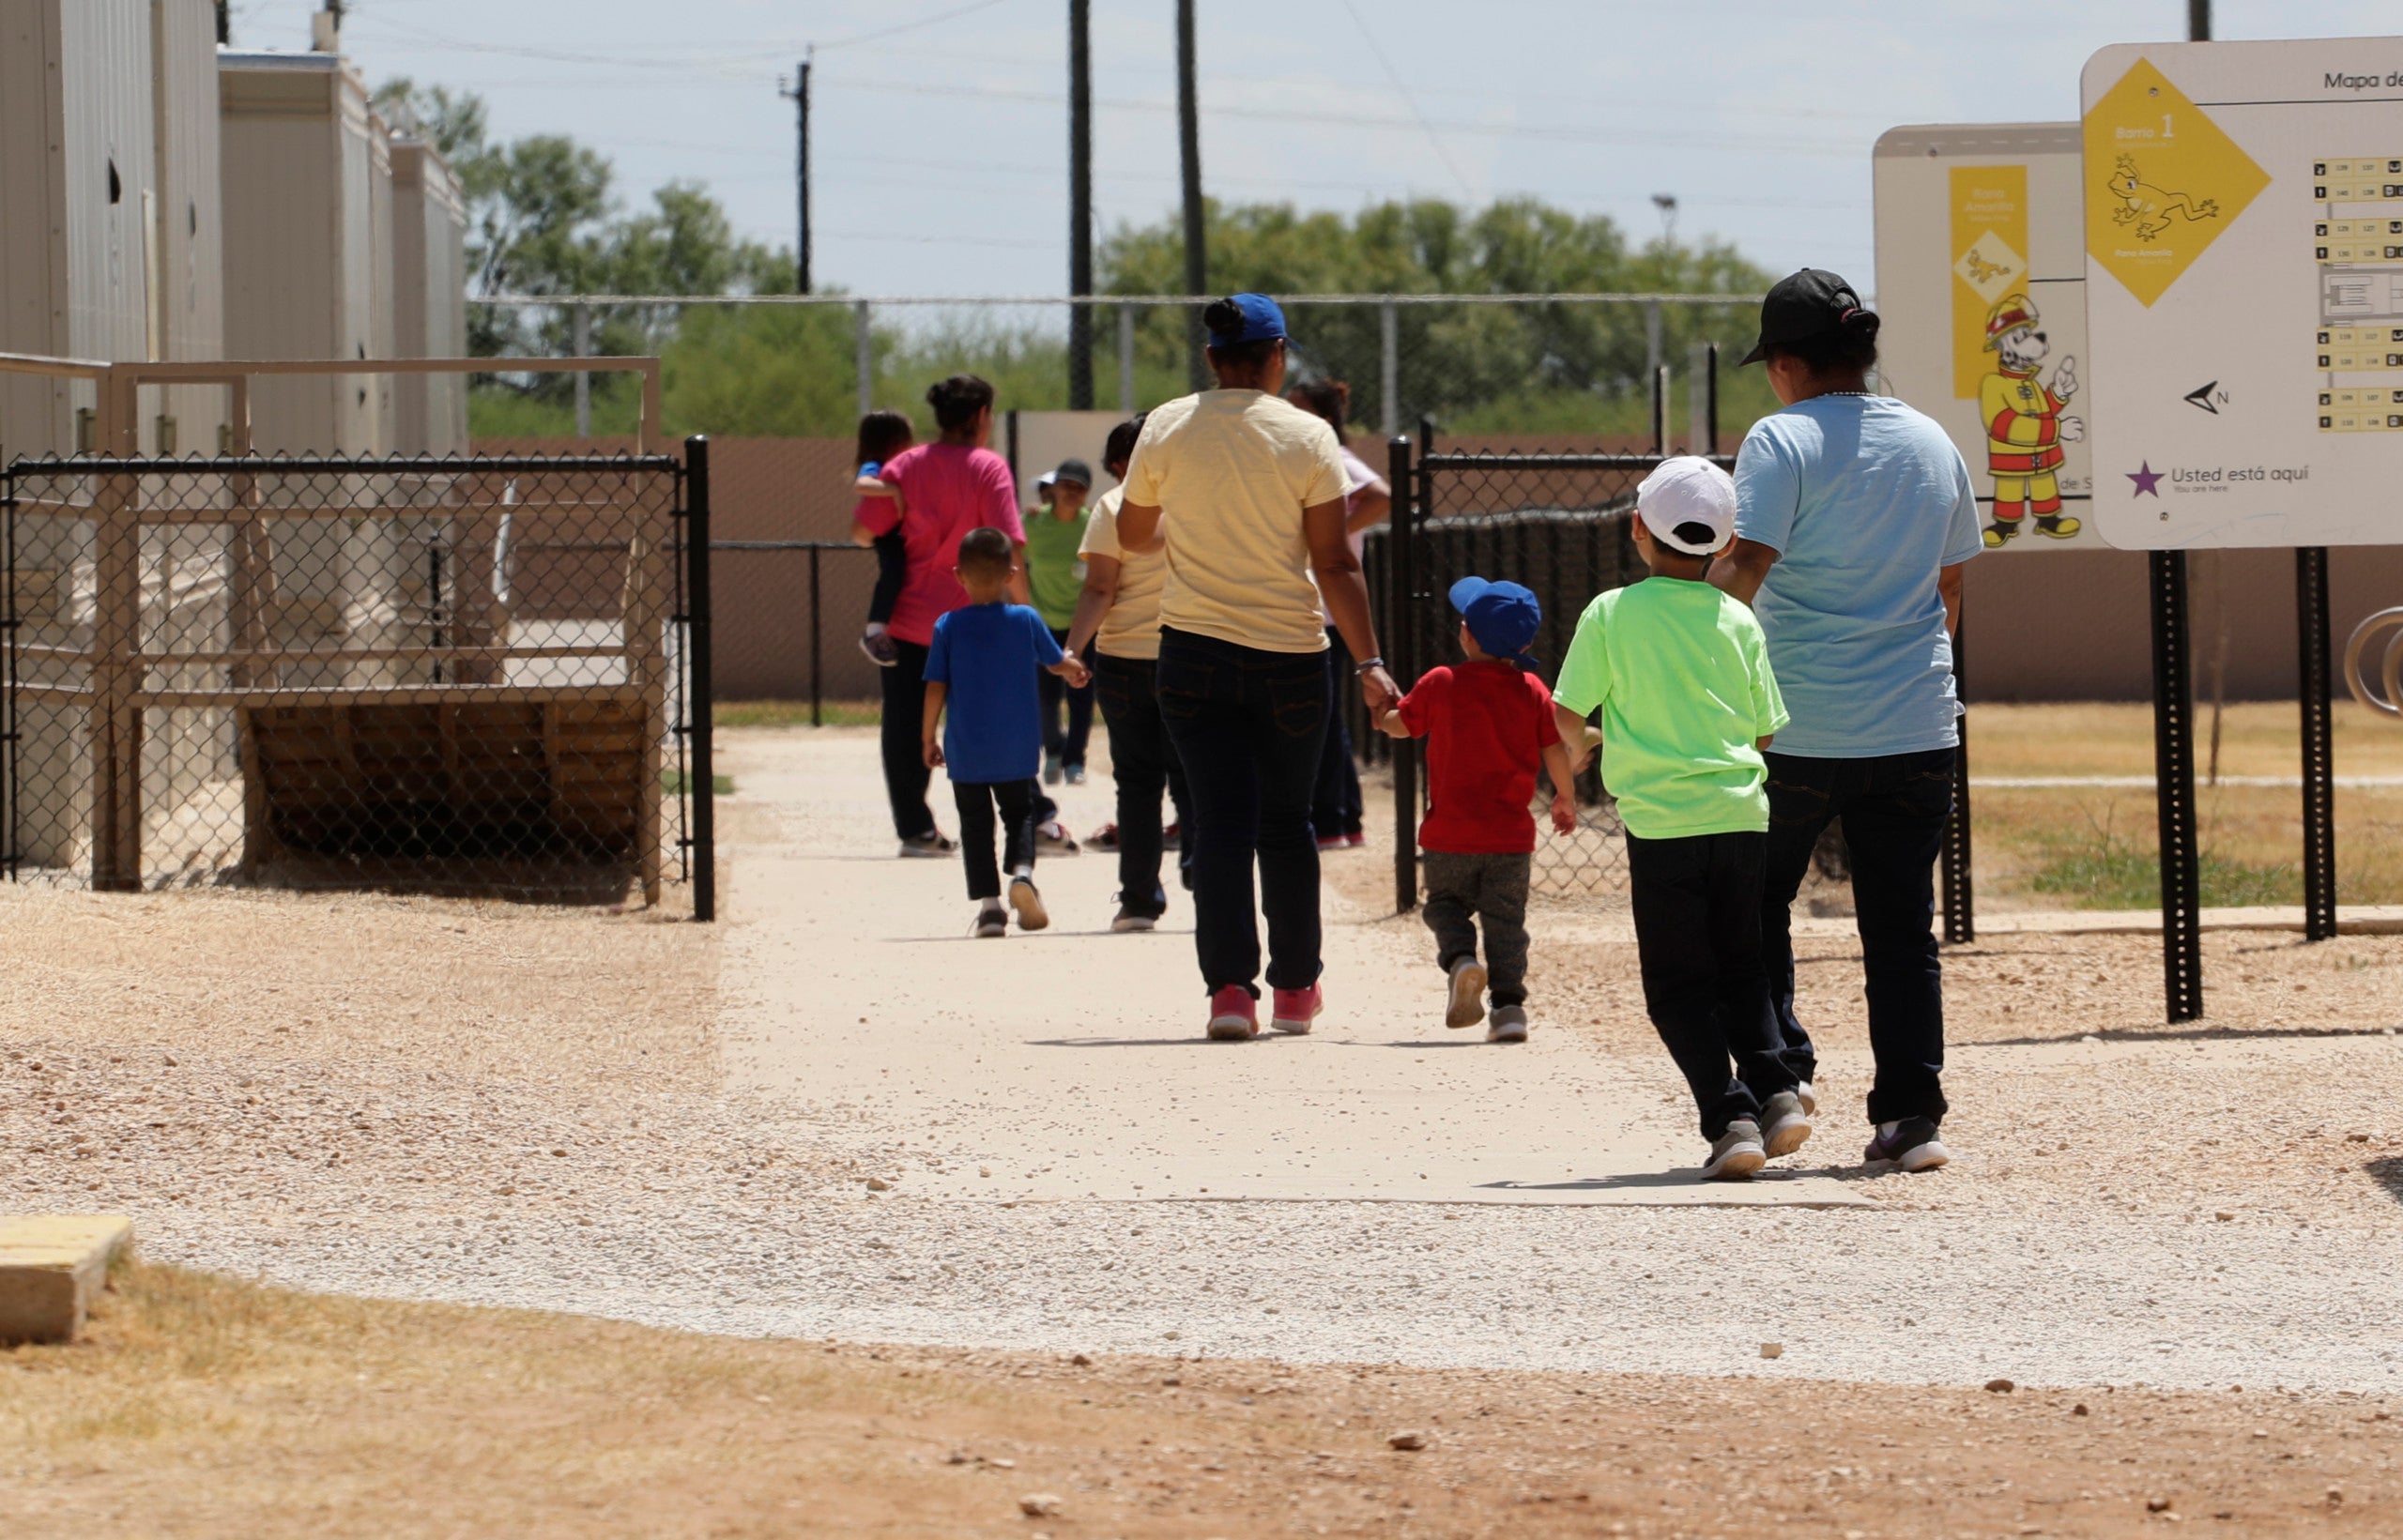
(1070, 1063)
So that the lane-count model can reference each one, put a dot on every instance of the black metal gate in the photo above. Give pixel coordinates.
(477, 675)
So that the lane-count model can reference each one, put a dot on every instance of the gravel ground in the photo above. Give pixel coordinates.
(371, 1095)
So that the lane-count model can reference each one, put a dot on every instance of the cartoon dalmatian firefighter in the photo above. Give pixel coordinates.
(2025, 428)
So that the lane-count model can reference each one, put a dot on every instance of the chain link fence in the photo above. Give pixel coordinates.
(463, 677)
(1559, 525)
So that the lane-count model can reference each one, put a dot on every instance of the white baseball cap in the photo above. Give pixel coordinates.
(1688, 489)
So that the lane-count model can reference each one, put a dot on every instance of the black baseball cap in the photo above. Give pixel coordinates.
(1813, 302)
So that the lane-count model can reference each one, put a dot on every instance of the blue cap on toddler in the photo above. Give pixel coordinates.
(1503, 616)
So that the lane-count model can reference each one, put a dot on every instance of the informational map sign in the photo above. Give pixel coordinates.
(2245, 292)
(1981, 297)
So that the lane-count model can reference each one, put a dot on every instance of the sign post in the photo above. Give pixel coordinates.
(2245, 256)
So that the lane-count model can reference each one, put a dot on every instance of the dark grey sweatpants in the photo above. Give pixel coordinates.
(1463, 889)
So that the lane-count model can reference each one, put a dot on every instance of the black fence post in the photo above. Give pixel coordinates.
(1960, 901)
(2173, 751)
(2319, 752)
(1710, 383)
(1402, 654)
(702, 786)
(817, 647)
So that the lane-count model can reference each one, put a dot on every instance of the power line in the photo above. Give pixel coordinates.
(951, 15)
(1443, 152)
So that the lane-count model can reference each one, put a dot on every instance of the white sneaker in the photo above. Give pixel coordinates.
(1031, 915)
(1509, 1025)
(992, 920)
(1807, 1097)
(1053, 838)
(1467, 1007)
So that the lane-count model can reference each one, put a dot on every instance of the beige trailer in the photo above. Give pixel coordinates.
(110, 251)
(111, 247)
(429, 299)
(307, 167)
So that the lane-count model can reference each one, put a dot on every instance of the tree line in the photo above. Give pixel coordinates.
(545, 217)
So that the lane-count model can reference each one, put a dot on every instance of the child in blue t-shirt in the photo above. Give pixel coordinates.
(983, 664)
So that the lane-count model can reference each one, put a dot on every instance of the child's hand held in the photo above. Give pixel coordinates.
(931, 752)
(1563, 812)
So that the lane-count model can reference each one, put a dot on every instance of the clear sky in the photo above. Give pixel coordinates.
(940, 124)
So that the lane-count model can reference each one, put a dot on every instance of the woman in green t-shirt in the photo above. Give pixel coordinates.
(1056, 575)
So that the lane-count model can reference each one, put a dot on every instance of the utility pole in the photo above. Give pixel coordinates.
(2198, 21)
(224, 22)
(1080, 202)
(1188, 139)
(797, 92)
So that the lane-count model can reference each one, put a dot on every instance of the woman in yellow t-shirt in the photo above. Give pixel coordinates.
(1247, 492)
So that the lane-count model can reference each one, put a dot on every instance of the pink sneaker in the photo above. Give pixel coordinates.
(1234, 1016)
(1295, 1008)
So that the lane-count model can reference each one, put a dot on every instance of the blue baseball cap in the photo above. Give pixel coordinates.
(1244, 318)
(1503, 616)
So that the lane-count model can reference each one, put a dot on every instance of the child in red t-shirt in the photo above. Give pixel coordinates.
(1488, 725)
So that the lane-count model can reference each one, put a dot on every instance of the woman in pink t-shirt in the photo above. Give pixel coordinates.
(948, 488)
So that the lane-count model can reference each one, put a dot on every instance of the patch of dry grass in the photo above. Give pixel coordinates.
(206, 1407)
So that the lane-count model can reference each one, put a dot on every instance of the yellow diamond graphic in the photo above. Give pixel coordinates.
(1990, 266)
(2161, 181)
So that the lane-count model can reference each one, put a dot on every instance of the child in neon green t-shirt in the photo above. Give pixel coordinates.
(1055, 575)
(1680, 672)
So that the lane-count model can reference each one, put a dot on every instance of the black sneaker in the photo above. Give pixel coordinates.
(931, 843)
(1910, 1144)
(879, 649)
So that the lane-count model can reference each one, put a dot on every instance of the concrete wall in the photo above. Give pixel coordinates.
(2078, 626)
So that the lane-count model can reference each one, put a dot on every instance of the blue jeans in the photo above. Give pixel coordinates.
(1248, 725)
(1894, 808)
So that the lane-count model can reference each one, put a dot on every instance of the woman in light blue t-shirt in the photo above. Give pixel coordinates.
(1855, 513)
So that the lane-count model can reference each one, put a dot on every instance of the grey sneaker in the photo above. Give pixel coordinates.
(1807, 1097)
(1509, 1025)
(1734, 1154)
(1783, 1124)
(1075, 775)
(1467, 1007)
(1050, 769)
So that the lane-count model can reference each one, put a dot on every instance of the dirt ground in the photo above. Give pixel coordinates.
(205, 1406)
(322, 1067)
